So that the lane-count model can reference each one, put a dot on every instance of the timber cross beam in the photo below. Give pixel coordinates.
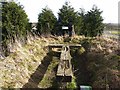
(50, 46)
(61, 45)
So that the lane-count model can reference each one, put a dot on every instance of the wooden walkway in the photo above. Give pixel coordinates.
(64, 71)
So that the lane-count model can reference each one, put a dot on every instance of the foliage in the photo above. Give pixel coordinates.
(67, 39)
(14, 23)
(91, 22)
(103, 68)
(88, 24)
(46, 22)
(72, 85)
(67, 16)
(99, 68)
(81, 50)
(107, 72)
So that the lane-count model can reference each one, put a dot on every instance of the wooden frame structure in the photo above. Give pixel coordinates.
(64, 71)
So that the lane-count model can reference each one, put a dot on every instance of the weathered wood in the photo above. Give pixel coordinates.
(61, 45)
(64, 72)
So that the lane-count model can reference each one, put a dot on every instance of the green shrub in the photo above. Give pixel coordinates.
(14, 24)
(81, 50)
(72, 85)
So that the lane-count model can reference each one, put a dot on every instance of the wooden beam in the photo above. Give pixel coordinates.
(64, 72)
(61, 45)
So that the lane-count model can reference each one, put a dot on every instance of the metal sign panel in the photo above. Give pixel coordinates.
(64, 27)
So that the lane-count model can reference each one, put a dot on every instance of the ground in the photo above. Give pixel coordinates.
(32, 65)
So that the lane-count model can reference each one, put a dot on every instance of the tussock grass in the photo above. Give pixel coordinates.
(23, 60)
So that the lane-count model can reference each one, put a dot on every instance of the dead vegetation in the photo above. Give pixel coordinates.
(24, 60)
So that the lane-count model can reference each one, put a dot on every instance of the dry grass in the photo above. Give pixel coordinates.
(23, 61)
(17, 68)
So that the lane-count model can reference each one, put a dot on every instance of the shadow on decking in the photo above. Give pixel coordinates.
(37, 76)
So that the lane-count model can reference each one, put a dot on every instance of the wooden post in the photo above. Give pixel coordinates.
(73, 30)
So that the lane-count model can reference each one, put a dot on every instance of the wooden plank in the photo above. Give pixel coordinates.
(65, 45)
(60, 71)
(68, 72)
(61, 45)
(64, 71)
(65, 53)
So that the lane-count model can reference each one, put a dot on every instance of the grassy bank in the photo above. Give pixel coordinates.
(32, 65)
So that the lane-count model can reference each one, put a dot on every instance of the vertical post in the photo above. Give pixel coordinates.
(48, 28)
(0, 26)
(73, 30)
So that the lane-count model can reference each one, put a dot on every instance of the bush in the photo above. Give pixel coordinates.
(72, 85)
(46, 22)
(91, 23)
(14, 23)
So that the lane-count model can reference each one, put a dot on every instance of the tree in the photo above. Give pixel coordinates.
(67, 15)
(91, 22)
(14, 23)
(46, 21)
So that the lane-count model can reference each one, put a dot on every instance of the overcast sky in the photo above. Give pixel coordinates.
(109, 7)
